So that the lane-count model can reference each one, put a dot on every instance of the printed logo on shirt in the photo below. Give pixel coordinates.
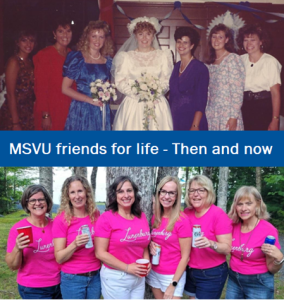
(133, 237)
(43, 248)
(241, 248)
(162, 233)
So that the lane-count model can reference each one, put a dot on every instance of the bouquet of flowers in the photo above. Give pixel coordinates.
(148, 89)
(103, 91)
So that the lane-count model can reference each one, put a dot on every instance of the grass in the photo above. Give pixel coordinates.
(8, 283)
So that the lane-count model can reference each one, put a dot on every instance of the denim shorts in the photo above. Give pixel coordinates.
(80, 287)
(206, 283)
(257, 286)
(49, 292)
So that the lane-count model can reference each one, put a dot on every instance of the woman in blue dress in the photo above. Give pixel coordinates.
(92, 61)
(188, 84)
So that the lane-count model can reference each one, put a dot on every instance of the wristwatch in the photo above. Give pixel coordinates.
(174, 283)
(214, 246)
(279, 262)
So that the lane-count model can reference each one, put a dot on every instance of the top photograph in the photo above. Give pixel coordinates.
(106, 65)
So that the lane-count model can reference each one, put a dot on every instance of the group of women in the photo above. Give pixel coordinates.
(231, 92)
(64, 258)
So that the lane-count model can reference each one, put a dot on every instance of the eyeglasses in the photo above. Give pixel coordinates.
(164, 193)
(199, 191)
(33, 201)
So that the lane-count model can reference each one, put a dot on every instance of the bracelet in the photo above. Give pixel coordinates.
(196, 126)
(45, 116)
(275, 117)
(126, 269)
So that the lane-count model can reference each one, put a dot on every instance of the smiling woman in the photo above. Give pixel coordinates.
(73, 233)
(32, 254)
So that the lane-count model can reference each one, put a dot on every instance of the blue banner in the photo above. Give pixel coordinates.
(175, 148)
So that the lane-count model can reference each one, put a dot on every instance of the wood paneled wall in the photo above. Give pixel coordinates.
(201, 14)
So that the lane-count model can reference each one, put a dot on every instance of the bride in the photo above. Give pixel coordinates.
(141, 71)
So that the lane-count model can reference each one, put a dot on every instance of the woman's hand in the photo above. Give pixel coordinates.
(232, 124)
(22, 241)
(274, 125)
(92, 102)
(202, 242)
(169, 293)
(137, 269)
(81, 240)
(272, 251)
(46, 123)
(153, 248)
(149, 268)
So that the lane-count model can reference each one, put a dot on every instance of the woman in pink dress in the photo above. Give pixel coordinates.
(207, 268)
(171, 230)
(122, 237)
(253, 262)
(74, 249)
(38, 272)
(227, 81)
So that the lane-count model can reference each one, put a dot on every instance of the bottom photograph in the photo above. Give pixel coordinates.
(141, 232)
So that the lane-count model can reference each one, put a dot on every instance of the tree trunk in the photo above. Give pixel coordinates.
(94, 179)
(207, 171)
(82, 171)
(258, 178)
(223, 187)
(144, 178)
(166, 171)
(46, 179)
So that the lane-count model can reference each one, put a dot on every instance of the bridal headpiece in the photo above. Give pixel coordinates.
(154, 21)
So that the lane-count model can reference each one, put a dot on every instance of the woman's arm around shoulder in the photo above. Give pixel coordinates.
(11, 74)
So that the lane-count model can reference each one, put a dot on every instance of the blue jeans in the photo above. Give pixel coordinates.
(50, 292)
(80, 287)
(258, 286)
(206, 283)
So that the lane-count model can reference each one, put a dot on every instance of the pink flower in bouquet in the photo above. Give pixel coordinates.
(100, 94)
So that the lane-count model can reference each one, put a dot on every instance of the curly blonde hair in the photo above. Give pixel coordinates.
(144, 26)
(66, 205)
(108, 47)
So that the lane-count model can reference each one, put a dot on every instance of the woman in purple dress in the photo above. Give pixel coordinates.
(188, 84)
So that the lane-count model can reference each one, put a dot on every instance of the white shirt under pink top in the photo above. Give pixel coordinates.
(169, 241)
(83, 259)
(39, 267)
(127, 238)
(254, 261)
(214, 222)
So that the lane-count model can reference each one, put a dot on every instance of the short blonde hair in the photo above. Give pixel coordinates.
(175, 213)
(144, 26)
(108, 47)
(247, 192)
(206, 183)
(66, 205)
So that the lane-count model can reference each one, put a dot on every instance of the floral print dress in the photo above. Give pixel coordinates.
(226, 87)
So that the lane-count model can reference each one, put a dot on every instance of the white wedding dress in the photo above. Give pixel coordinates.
(129, 66)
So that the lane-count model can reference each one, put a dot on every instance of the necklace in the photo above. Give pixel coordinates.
(185, 66)
(221, 56)
(242, 255)
(95, 58)
(61, 53)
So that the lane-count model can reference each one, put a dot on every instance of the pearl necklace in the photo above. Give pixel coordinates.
(221, 56)
(95, 58)
(185, 66)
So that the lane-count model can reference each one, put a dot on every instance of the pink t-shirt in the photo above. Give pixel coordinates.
(254, 261)
(213, 222)
(127, 238)
(39, 267)
(169, 241)
(83, 259)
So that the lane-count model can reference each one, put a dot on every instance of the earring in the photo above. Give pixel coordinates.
(54, 37)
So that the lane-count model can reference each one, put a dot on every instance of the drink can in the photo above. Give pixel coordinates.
(156, 258)
(270, 240)
(86, 230)
(196, 233)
